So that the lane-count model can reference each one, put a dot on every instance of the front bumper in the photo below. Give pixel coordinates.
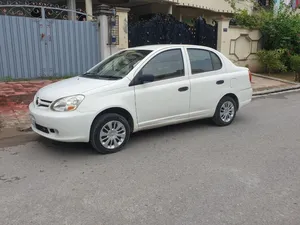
(61, 126)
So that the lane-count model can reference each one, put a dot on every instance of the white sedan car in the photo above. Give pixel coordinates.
(141, 88)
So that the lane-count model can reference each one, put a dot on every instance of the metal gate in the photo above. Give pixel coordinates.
(45, 43)
(165, 29)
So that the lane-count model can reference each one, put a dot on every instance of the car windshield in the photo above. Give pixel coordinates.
(117, 66)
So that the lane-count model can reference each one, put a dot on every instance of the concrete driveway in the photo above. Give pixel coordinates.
(196, 173)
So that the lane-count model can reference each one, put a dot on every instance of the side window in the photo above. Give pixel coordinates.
(165, 65)
(203, 61)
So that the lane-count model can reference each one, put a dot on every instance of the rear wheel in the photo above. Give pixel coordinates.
(109, 134)
(225, 111)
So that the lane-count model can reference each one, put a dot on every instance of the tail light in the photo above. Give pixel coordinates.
(250, 76)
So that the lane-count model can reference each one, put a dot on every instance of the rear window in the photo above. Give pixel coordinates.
(203, 61)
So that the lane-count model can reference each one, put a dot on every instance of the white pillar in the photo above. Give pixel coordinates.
(170, 10)
(122, 14)
(72, 6)
(106, 49)
(104, 14)
(223, 43)
(89, 9)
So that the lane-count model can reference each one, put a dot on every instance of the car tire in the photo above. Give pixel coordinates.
(109, 133)
(225, 111)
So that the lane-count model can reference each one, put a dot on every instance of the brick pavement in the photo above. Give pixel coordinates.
(16, 96)
(14, 100)
(262, 84)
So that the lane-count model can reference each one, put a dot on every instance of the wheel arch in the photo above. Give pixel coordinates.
(117, 110)
(234, 97)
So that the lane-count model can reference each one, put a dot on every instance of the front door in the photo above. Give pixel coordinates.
(166, 100)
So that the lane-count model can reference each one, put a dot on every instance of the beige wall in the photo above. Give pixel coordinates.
(239, 45)
(188, 9)
(213, 5)
(179, 12)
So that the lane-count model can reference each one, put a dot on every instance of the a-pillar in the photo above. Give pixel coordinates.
(89, 9)
(72, 6)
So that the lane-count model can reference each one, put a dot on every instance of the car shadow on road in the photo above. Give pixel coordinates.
(136, 138)
(173, 129)
(66, 148)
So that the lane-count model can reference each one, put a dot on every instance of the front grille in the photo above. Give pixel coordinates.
(42, 102)
(41, 128)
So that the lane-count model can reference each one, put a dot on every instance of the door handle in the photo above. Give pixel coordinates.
(220, 82)
(183, 89)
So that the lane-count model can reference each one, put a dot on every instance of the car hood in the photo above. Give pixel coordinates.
(71, 86)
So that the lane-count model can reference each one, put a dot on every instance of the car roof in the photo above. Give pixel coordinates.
(162, 46)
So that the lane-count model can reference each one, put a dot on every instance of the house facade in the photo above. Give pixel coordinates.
(183, 10)
(50, 37)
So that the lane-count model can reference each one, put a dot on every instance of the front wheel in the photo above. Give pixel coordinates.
(109, 133)
(225, 111)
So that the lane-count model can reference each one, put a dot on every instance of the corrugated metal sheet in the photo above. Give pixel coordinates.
(32, 48)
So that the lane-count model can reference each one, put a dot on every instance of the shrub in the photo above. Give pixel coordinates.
(280, 29)
(244, 19)
(272, 60)
(295, 66)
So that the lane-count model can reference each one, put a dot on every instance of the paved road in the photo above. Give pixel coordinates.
(194, 173)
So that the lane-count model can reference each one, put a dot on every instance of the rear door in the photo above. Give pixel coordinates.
(208, 81)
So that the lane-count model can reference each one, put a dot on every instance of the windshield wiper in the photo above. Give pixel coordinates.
(96, 75)
(110, 77)
(90, 75)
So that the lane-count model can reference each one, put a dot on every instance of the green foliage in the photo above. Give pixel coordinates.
(295, 63)
(272, 59)
(6, 79)
(233, 3)
(244, 19)
(10, 79)
(295, 66)
(280, 29)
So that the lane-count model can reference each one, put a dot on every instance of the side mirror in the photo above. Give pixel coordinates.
(146, 78)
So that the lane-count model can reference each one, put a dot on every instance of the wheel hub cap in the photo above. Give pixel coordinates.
(112, 134)
(227, 111)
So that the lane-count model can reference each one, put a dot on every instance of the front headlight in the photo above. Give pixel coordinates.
(67, 104)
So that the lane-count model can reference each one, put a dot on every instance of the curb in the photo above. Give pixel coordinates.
(296, 86)
(276, 90)
(19, 139)
(274, 78)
